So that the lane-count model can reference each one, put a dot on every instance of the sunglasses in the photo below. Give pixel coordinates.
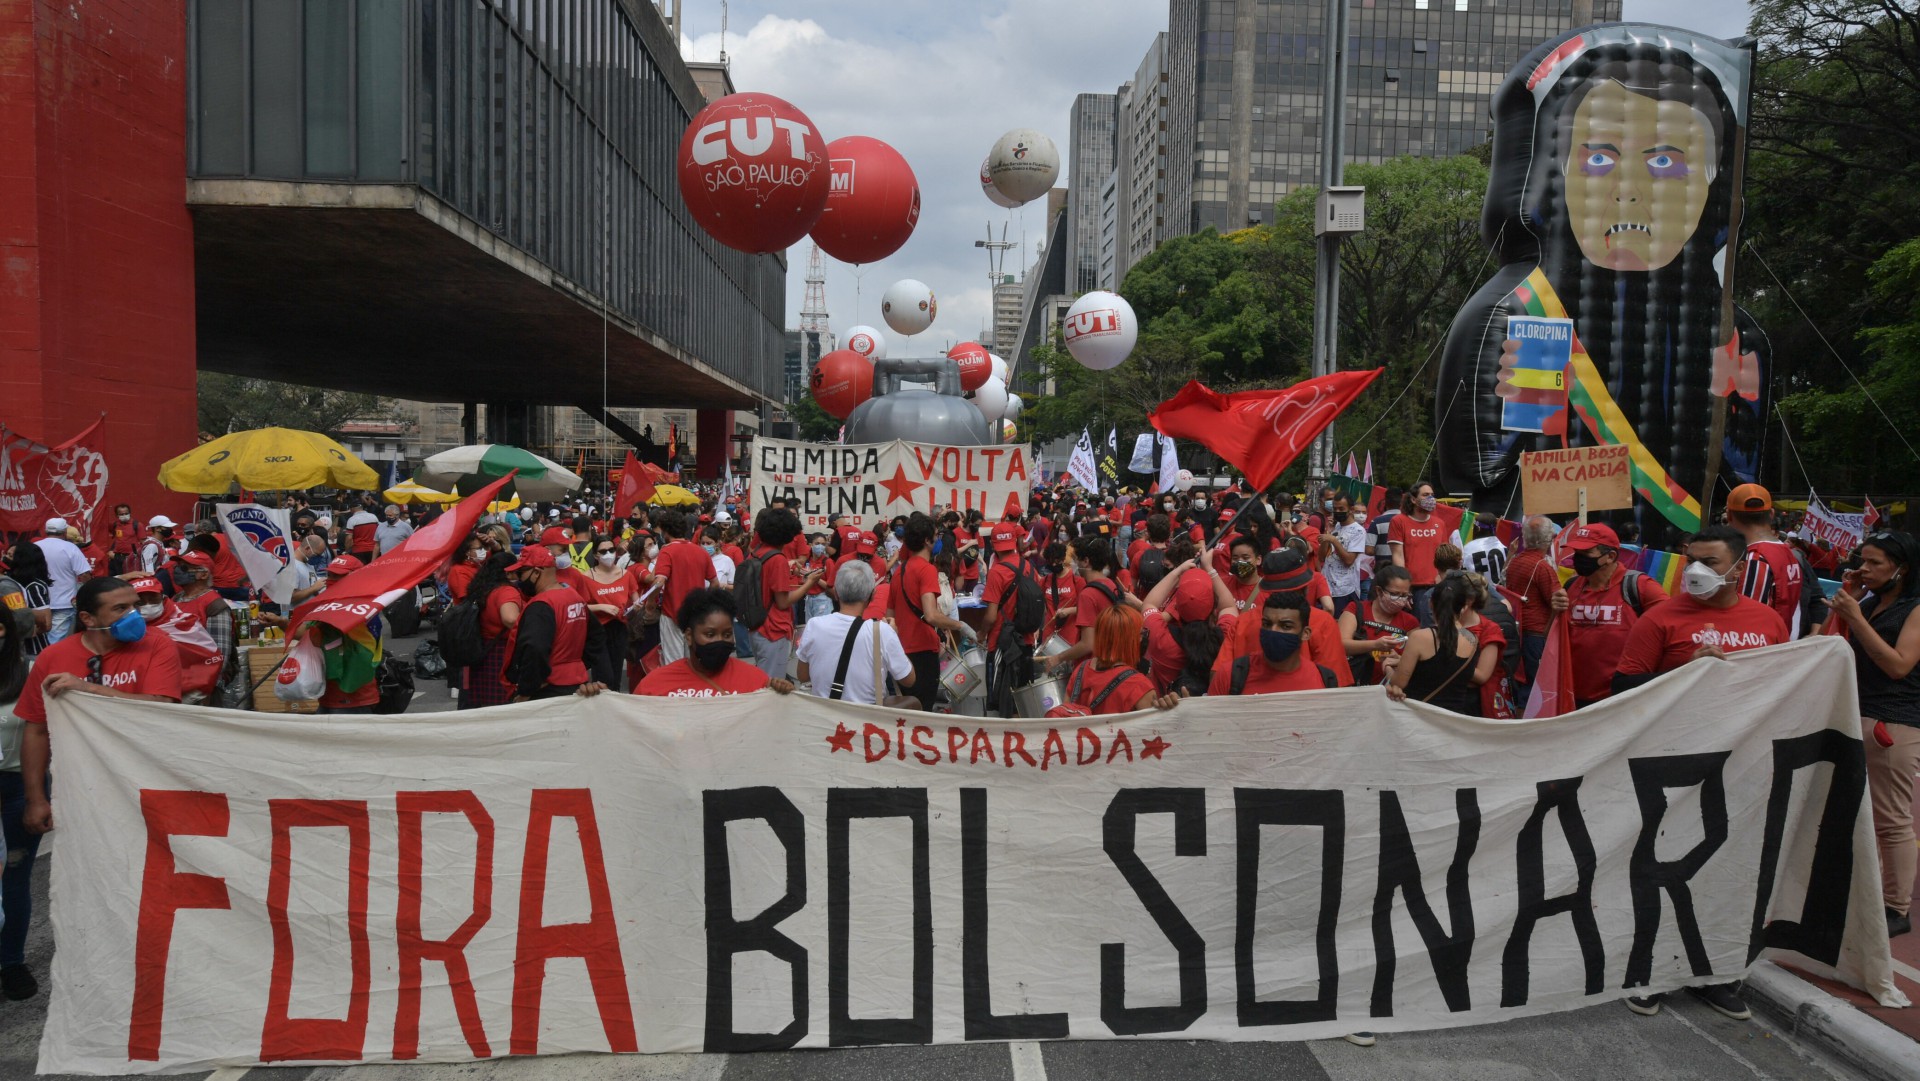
(96, 665)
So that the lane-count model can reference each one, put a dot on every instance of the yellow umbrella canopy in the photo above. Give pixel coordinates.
(672, 495)
(412, 491)
(267, 460)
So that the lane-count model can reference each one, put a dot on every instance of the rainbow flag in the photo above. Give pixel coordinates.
(1663, 567)
(1587, 392)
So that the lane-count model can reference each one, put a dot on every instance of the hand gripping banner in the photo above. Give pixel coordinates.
(760, 872)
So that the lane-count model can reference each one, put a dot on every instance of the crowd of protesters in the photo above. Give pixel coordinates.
(1121, 600)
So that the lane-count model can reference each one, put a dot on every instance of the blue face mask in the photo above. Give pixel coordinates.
(129, 628)
(1277, 646)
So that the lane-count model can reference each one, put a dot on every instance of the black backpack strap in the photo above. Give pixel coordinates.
(1107, 590)
(895, 578)
(1237, 675)
(1327, 678)
(846, 656)
(1125, 675)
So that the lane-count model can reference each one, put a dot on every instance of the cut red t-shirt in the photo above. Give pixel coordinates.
(1601, 620)
(1667, 637)
(679, 680)
(1000, 590)
(149, 666)
(916, 578)
(1417, 542)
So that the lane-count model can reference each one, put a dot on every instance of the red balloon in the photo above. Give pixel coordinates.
(975, 364)
(841, 381)
(753, 172)
(873, 201)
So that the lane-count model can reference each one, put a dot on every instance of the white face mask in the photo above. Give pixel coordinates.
(151, 612)
(563, 562)
(607, 558)
(1701, 581)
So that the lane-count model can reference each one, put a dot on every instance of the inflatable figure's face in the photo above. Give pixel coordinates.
(1637, 177)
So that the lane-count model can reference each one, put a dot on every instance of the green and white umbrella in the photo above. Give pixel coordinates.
(468, 469)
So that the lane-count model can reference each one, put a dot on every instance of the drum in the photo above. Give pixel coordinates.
(962, 672)
(1036, 698)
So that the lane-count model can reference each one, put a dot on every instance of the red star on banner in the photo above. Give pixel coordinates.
(1153, 747)
(842, 738)
(899, 488)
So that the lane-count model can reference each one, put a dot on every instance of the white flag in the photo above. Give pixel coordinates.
(261, 538)
(1082, 467)
(1142, 461)
(1169, 464)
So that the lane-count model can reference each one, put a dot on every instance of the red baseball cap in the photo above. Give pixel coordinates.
(1592, 535)
(557, 535)
(1005, 537)
(145, 583)
(533, 556)
(343, 565)
(866, 545)
(1192, 598)
(197, 558)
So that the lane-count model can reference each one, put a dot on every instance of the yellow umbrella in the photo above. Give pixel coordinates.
(267, 460)
(412, 491)
(672, 495)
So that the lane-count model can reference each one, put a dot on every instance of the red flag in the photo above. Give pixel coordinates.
(1450, 519)
(38, 482)
(366, 591)
(636, 487)
(1872, 517)
(1260, 432)
(1376, 502)
(658, 475)
(1552, 694)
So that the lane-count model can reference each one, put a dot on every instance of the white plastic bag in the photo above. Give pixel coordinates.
(303, 675)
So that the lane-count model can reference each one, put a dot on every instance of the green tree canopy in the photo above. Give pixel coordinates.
(233, 403)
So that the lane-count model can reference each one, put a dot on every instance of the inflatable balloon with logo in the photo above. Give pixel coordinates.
(873, 201)
(908, 306)
(1100, 330)
(867, 342)
(1023, 165)
(841, 380)
(976, 366)
(753, 172)
(993, 193)
(1612, 206)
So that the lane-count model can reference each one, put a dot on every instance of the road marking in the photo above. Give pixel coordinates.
(1906, 970)
(1715, 1041)
(1027, 1063)
(228, 1073)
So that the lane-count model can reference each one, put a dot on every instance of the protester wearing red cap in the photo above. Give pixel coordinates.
(1181, 621)
(1604, 600)
(200, 658)
(557, 640)
(194, 594)
(1010, 653)
(1774, 575)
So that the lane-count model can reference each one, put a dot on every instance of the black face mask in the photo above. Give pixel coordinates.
(526, 585)
(183, 577)
(712, 656)
(1585, 563)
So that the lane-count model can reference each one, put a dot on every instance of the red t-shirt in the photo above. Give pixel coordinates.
(679, 680)
(917, 578)
(459, 577)
(1165, 657)
(733, 552)
(1601, 621)
(492, 623)
(776, 577)
(1531, 576)
(1773, 578)
(1362, 664)
(1666, 637)
(619, 593)
(1126, 698)
(228, 573)
(1263, 678)
(1323, 645)
(686, 567)
(1417, 541)
(1000, 590)
(1061, 593)
(1092, 601)
(149, 666)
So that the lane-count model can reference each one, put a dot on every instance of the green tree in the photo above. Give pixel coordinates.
(813, 423)
(233, 403)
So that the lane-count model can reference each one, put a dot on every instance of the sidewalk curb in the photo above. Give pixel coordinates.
(1840, 1029)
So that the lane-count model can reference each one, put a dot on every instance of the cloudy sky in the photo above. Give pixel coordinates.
(941, 81)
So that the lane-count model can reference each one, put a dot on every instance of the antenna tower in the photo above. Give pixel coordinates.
(813, 313)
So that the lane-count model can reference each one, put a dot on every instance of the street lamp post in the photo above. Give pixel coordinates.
(1329, 228)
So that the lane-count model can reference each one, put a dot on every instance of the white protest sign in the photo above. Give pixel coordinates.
(870, 483)
(1843, 531)
(758, 872)
(261, 538)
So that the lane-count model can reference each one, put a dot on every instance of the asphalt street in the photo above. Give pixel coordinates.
(1687, 1041)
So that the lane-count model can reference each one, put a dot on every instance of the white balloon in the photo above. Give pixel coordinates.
(908, 306)
(1023, 164)
(1000, 368)
(1007, 431)
(1014, 406)
(1100, 330)
(991, 399)
(1183, 480)
(993, 193)
(867, 342)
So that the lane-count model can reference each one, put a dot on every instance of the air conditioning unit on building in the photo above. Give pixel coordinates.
(1341, 210)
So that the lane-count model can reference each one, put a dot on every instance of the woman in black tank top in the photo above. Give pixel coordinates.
(1443, 665)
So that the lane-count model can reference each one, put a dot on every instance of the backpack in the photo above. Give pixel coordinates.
(1024, 607)
(1630, 589)
(1152, 568)
(1243, 667)
(461, 645)
(749, 592)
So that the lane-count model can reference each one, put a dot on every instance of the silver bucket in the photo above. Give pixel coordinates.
(962, 673)
(1036, 698)
(1053, 646)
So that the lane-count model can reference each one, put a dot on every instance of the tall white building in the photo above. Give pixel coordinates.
(1089, 160)
(1140, 152)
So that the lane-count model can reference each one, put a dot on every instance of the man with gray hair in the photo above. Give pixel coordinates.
(391, 531)
(1532, 577)
(836, 653)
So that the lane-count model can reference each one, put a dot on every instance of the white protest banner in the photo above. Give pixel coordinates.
(1081, 465)
(870, 483)
(758, 872)
(1843, 531)
(261, 538)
